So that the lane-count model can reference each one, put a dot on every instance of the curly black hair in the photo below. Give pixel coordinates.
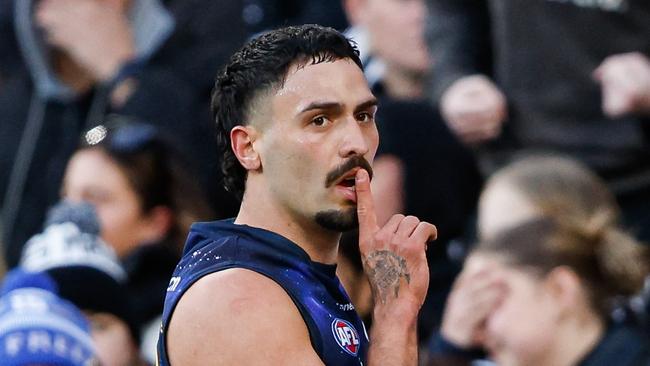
(259, 65)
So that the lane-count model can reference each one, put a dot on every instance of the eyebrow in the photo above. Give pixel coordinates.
(338, 106)
(366, 105)
(321, 105)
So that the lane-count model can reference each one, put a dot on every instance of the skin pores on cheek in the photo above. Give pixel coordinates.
(296, 154)
(286, 153)
(296, 171)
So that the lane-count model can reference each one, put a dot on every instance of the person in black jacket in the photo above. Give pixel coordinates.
(571, 77)
(77, 62)
(262, 15)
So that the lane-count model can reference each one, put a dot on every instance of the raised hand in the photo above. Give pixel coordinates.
(476, 293)
(394, 256)
(625, 84)
(96, 34)
(474, 109)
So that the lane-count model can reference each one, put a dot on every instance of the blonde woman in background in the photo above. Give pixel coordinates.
(543, 185)
(539, 288)
(540, 294)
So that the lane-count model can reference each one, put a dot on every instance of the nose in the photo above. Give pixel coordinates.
(356, 139)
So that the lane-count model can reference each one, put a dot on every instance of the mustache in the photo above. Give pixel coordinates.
(341, 170)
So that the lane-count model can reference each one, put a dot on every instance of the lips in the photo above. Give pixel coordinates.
(345, 185)
(347, 170)
(347, 180)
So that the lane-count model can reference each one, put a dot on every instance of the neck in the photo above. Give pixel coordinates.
(259, 210)
(402, 84)
(575, 340)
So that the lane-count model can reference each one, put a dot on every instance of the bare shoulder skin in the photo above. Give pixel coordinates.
(241, 317)
(238, 317)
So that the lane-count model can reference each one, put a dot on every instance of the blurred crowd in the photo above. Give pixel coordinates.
(521, 129)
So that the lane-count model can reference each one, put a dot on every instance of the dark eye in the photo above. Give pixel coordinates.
(320, 121)
(365, 117)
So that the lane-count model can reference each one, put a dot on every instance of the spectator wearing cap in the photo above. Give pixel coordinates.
(37, 327)
(87, 273)
(145, 201)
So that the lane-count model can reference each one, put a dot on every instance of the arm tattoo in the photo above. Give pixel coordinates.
(385, 270)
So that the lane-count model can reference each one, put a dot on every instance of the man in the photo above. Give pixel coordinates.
(296, 128)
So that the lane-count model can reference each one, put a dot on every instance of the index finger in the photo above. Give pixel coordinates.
(365, 208)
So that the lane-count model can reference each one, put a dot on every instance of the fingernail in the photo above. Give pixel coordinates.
(362, 175)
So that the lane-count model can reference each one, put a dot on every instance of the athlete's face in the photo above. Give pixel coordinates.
(322, 130)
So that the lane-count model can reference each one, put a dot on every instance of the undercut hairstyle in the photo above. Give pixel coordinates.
(261, 65)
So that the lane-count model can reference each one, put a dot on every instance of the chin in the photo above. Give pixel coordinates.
(338, 220)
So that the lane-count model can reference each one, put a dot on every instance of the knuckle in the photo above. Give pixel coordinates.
(382, 237)
(412, 218)
(396, 246)
(362, 210)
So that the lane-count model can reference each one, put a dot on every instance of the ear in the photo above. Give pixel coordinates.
(241, 141)
(157, 223)
(354, 10)
(564, 285)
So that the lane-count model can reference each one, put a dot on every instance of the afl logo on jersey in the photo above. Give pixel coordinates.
(346, 336)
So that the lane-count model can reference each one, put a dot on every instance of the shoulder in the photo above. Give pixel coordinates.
(621, 345)
(238, 316)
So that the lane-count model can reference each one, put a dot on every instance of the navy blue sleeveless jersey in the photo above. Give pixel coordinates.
(337, 333)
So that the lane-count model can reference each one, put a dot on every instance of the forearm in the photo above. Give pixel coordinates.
(393, 338)
(157, 94)
(458, 36)
(395, 262)
(159, 97)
